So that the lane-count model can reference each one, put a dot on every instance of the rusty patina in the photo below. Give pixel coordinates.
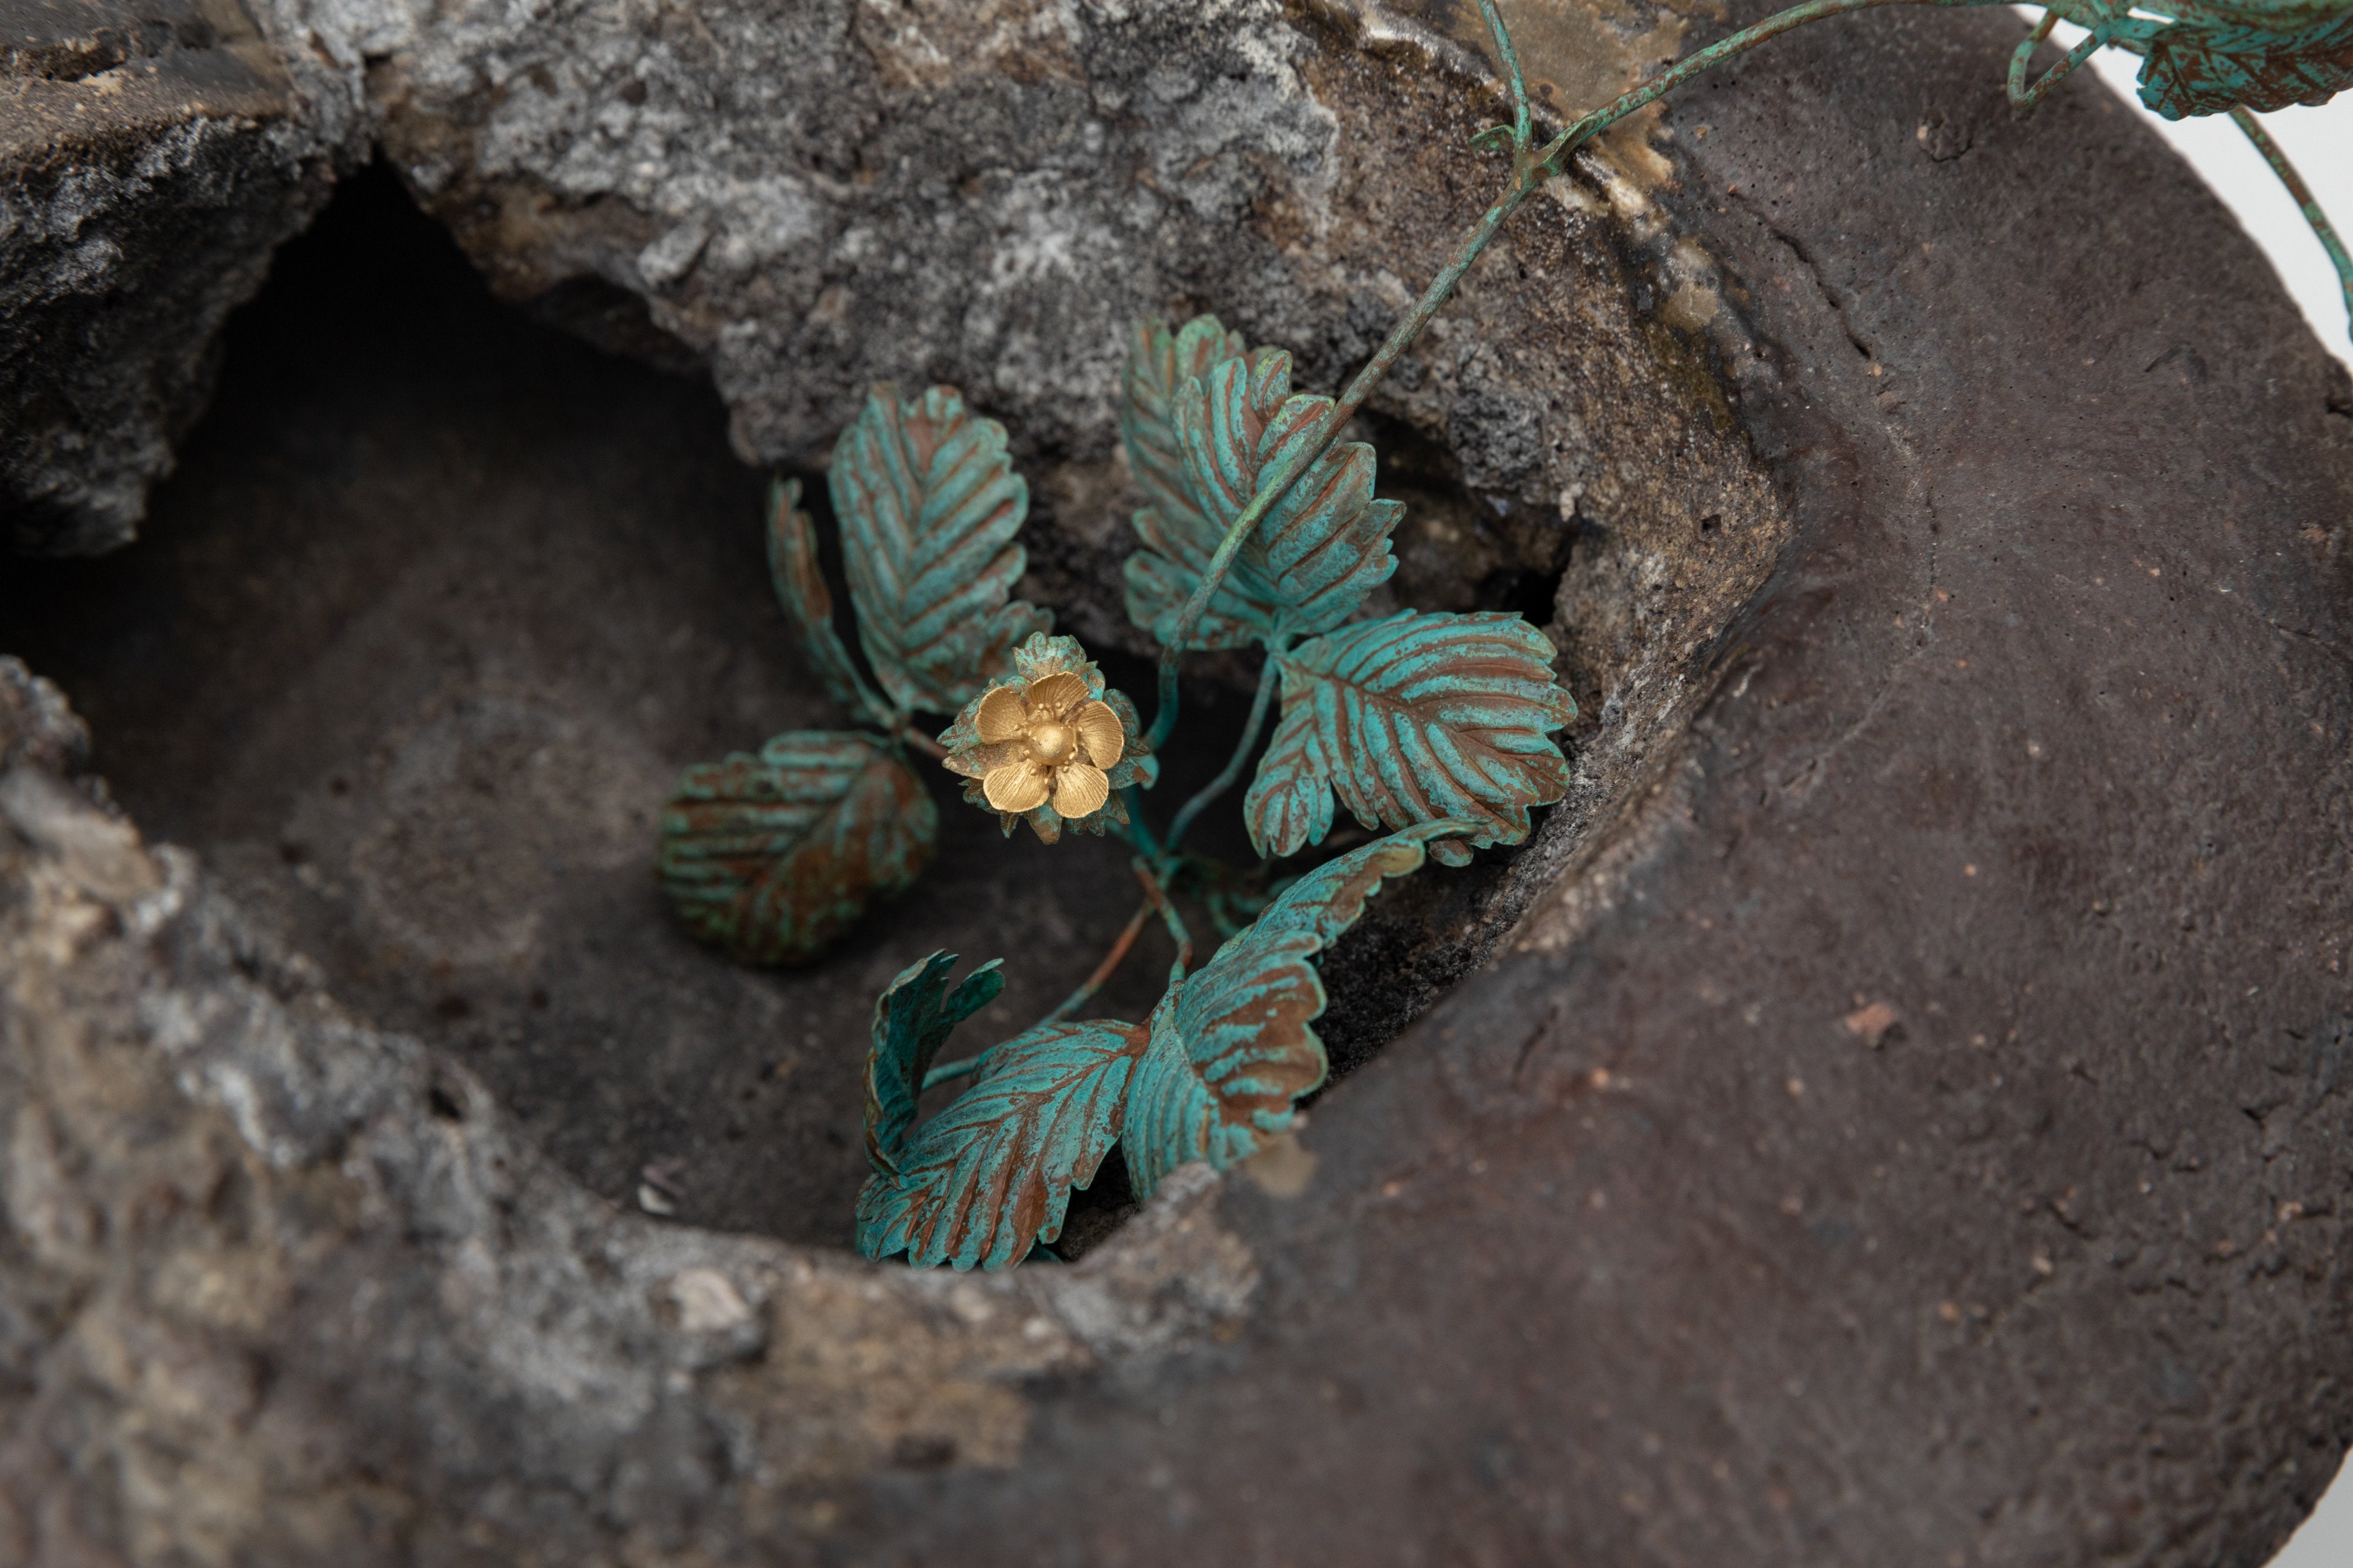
(772, 856)
(1261, 529)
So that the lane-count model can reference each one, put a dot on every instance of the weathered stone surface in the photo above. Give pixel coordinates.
(343, 778)
(782, 198)
(1908, 1128)
(152, 155)
(278, 1288)
(437, 609)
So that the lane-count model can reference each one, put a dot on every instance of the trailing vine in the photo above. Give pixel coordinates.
(1259, 529)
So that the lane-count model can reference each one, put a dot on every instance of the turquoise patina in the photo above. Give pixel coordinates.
(774, 856)
(1217, 1072)
(1259, 529)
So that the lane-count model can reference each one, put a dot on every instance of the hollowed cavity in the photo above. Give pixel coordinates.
(440, 601)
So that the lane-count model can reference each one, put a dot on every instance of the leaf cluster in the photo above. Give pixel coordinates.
(1432, 729)
(1412, 719)
(1213, 1075)
(773, 855)
(1260, 528)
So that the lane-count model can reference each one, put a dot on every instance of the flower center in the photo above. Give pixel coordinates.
(1052, 743)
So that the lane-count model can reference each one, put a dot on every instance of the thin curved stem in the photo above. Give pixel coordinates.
(1138, 833)
(1106, 969)
(1159, 895)
(1512, 77)
(1530, 170)
(2024, 98)
(1591, 125)
(2020, 56)
(944, 1071)
(922, 742)
(2304, 199)
(1233, 769)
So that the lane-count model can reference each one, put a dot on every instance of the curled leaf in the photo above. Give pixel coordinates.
(1159, 362)
(912, 1018)
(1315, 554)
(929, 506)
(1414, 718)
(2215, 58)
(1178, 536)
(772, 856)
(801, 589)
(992, 1175)
(1232, 1050)
(1330, 899)
(1289, 804)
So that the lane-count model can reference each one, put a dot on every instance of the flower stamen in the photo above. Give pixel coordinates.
(1051, 743)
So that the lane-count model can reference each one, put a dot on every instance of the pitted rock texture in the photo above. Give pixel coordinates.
(458, 888)
(991, 196)
(352, 670)
(1907, 1127)
(847, 192)
(276, 1288)
(150, 158)
(774, 187)
(437, 611)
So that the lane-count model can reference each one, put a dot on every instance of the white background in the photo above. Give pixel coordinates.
(2320, 142)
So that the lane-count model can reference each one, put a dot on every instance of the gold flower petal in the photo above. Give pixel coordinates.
(1080, 791)
(1001, 716)
(1099, 733)
(1016, 787)
(1052, 696)
(979, 762)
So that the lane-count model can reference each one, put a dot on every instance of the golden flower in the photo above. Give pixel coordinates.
(1049, 744)
(1056, 740)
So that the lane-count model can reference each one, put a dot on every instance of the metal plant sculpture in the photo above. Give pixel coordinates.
(1259, 529)
(772, 856)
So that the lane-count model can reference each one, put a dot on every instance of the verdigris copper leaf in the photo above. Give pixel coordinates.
(1330, 899)
(1289, 804)
(912, 1018)
(772, 856)
(1325, 545)
(1314, 556)
(1232, 1050)
(800, 587)
(992, 1174)
(1178, 537)
(929, 505)
(2214, 58)
(1413, 718)
(1159, 362)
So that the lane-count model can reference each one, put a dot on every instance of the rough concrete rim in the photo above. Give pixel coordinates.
(1813, 684)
